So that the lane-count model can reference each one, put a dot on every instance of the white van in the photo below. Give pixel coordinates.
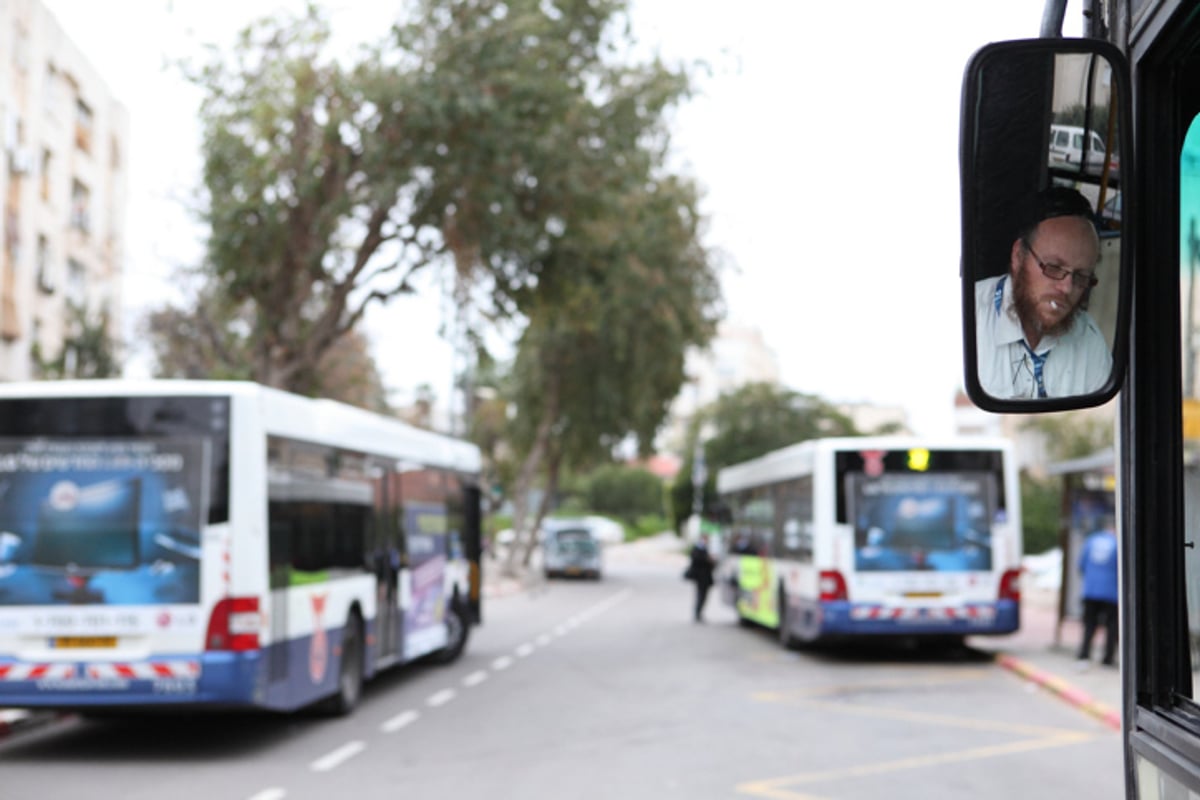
(570, 548)
(1066, 150)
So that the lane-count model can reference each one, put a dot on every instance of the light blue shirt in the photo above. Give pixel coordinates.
(1078, 362)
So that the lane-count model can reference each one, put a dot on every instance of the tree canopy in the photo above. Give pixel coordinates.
(749, 422)
(465, 140)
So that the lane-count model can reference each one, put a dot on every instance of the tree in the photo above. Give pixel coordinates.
(193, 345)
(88, 351)
(626, 493)
(627, 293)
(1070, 435)
(746, 423)
(463, 141)
(1067, 435)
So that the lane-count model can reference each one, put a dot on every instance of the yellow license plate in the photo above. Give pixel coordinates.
(922, 594)
(84, 641)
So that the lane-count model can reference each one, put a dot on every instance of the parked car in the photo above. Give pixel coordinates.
(571, 550)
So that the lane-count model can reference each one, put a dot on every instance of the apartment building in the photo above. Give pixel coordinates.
(63, 185)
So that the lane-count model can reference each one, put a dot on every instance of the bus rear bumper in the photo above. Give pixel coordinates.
(217, 680)
(844, 619)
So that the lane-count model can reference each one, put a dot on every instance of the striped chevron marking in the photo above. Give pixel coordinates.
(880, 612)
(36, 672)
(145, 670)
(142, 670)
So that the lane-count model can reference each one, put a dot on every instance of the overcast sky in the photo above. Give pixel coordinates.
(825, 140)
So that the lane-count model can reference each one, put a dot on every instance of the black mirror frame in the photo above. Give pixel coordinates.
(970, 219)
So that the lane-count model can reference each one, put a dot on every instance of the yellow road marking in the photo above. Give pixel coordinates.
(786, 787)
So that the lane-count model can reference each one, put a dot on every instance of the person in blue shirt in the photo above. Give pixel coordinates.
(1098, 562)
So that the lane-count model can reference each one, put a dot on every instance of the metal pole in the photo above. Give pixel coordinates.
(1052, 19)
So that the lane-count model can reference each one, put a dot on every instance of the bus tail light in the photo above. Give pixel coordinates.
(1010, 585)
(234, 625)
(832, 586)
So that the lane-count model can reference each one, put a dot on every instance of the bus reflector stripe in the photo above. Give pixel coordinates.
(36, 672)
(865, 612)
(144, 670)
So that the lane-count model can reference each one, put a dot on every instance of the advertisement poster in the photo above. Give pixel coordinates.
(936, 521)
(110, 522)
(426, 539)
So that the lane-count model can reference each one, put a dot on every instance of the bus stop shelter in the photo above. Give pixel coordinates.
(1088, 497)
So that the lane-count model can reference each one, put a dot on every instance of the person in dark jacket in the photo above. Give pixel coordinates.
(701, 566)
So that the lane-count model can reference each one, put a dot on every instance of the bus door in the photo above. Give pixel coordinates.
(386, 557)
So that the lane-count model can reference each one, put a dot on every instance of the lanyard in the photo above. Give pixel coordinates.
(1038, 361)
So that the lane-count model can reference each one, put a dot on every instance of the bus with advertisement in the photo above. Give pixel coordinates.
(841, 538)
(224, 545)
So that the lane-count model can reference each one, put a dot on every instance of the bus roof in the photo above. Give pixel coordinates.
(285, 414)
(797, 459)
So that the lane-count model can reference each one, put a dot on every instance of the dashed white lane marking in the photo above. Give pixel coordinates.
(274, 793)
(338, 757)
(401, 720)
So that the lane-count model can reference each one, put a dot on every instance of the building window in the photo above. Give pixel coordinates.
(47, 161)
(20, 51)
(80, 204)
(83, 126)
(76, 282)
(45, 276)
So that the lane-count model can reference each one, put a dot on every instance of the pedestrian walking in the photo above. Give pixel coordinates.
(1098, 566)
(701, 566)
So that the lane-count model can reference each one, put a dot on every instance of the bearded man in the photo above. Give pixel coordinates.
(1034, 337)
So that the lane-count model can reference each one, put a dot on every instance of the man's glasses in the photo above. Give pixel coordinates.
(1081, 279)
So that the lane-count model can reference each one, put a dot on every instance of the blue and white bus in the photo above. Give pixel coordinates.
(850, 537)
(223, 545)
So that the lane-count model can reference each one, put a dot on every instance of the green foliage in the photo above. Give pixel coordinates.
(746, 423)
(625, 493)
(1073, 434)
(1041, 510)
(88, 350)
(648, 525)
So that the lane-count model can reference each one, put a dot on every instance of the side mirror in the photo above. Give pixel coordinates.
(1046, 252)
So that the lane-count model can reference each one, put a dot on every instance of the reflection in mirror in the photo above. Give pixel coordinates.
(1043, 205)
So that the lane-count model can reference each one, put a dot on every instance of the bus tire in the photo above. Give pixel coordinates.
(458, 630)
(350, 670)
(786, 638)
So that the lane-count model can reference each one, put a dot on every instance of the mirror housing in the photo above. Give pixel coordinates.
(1046, 267)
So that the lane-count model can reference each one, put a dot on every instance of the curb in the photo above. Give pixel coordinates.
(1058, 686)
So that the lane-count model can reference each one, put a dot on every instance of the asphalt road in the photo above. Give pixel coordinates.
(584, 689)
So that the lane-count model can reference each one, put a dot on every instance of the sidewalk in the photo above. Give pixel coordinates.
(1046, 657)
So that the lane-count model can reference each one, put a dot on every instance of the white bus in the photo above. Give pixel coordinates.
(223, 545)
(875, 536)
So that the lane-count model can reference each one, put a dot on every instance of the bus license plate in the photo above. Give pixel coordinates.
(922, 595)
(84, 641)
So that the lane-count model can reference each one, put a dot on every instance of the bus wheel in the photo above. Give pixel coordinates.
(457, 631)
(350, 670)
(785, 631)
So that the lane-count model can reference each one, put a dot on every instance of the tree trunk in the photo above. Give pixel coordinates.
(553, 459)
(522, 533)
